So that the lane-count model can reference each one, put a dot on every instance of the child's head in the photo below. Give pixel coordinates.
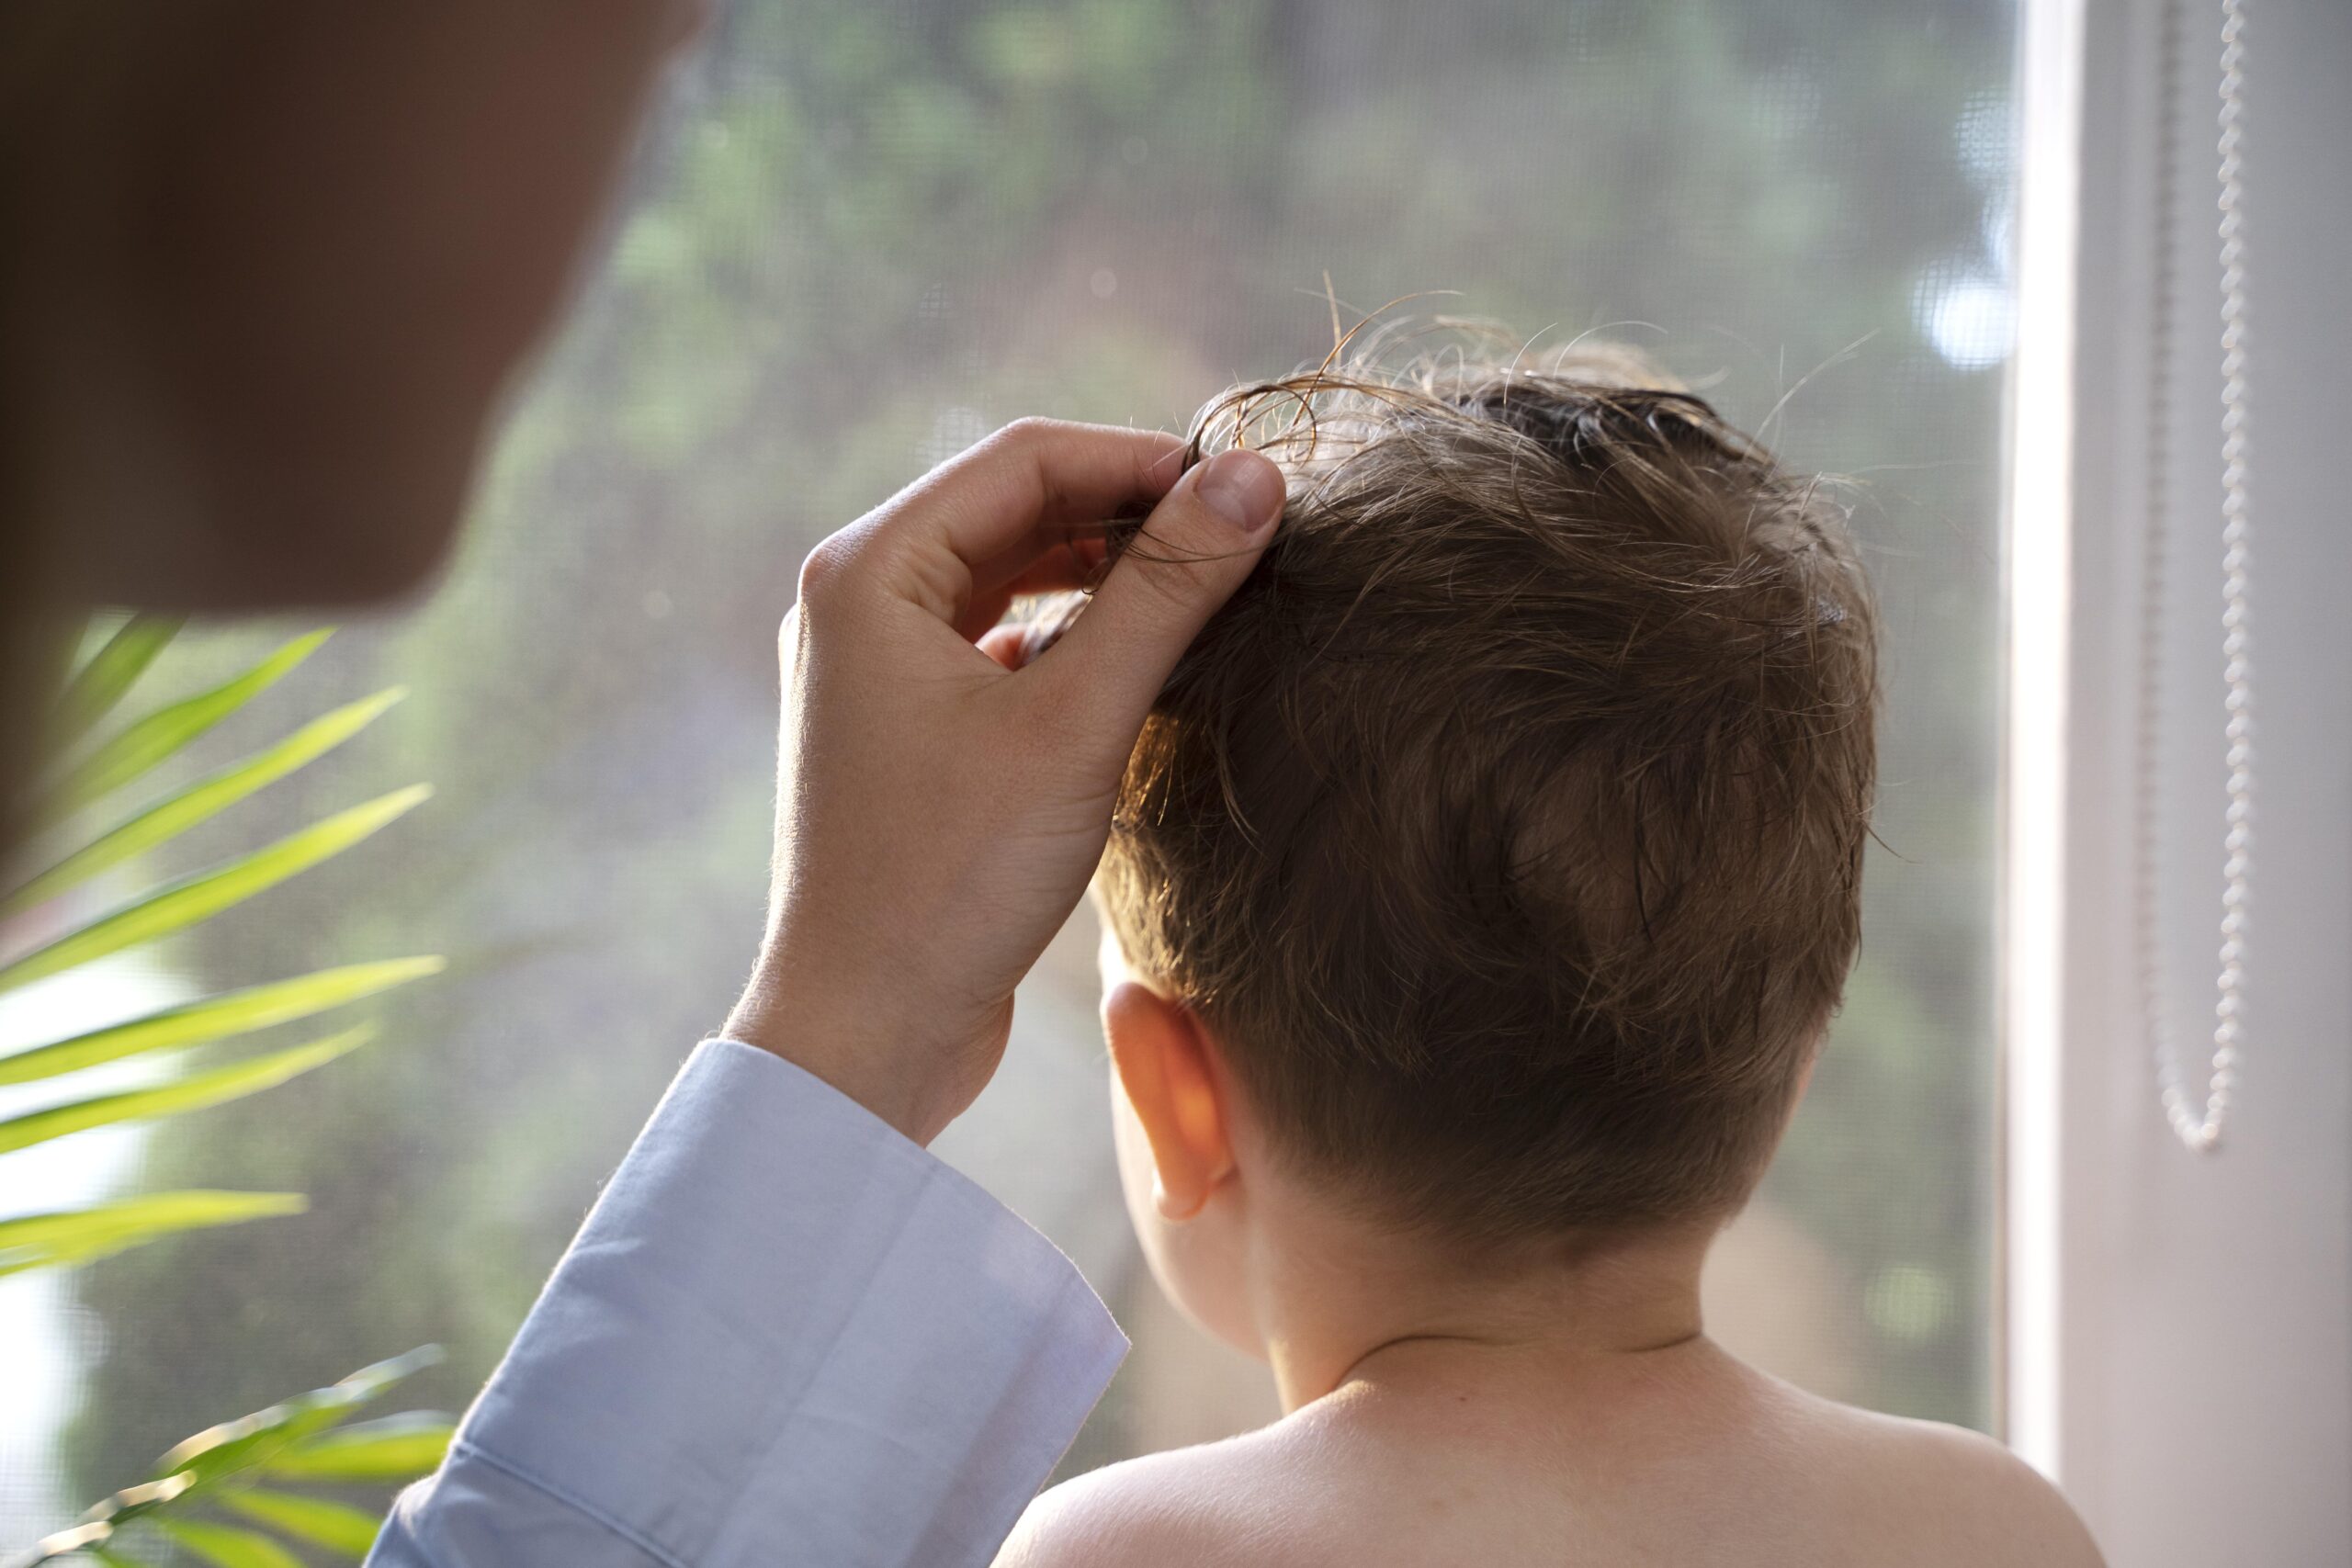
(1500, 841)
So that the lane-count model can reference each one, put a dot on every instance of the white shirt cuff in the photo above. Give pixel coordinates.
(785, 1333)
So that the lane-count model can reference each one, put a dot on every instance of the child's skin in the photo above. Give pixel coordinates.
(1565, 1409)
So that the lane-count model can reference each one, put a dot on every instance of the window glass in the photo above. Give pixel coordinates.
(864, 234)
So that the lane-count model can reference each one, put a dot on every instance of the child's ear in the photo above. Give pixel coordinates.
(1161, 1058)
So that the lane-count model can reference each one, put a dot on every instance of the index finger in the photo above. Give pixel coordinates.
(1002, 505)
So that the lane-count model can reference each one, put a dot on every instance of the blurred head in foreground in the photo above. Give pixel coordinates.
(1489, 871)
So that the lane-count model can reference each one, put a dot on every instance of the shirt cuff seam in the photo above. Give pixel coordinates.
(653, 1550)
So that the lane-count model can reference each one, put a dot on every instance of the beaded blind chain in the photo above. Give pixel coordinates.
(2198, 1127)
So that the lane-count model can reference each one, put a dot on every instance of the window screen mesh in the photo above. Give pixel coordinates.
(864, 234)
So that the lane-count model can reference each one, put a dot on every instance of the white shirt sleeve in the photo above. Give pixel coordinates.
(786, 1336)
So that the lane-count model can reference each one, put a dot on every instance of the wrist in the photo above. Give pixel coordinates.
(848, 1061)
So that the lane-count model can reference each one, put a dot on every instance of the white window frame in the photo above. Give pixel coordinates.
(2177, 1331)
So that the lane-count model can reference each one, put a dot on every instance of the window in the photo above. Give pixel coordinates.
(2177, 1351)
(866, 234)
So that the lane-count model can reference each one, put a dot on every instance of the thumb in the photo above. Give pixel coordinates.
(1192, 553)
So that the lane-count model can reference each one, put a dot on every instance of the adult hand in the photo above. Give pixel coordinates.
(940, 804)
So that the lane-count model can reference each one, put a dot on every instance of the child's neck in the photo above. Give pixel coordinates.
(1339, 1303)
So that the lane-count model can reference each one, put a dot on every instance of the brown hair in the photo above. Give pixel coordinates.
(1506, 826)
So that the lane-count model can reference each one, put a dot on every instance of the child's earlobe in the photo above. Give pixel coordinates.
(1174, 1209)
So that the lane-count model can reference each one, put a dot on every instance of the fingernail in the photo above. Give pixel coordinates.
(1243, 487)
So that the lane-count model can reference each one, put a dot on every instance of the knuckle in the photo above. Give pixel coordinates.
(1168, 573)
(827, 567)
(1164, 586)
(1029, 430)
(1029, 434)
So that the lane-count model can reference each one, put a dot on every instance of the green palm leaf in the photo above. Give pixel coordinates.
(137, 747)
(218, 1465)
(98, 1525)
(393, 1447)
(192, 1093)
(184, 903)
(206, 797)
(235, 1447)
(213, 1470)
(298, 1436)
(109, 673)
(338, 1529)
(81, 1538)
(83, 1235)
(226, 1548)
(215, 1017)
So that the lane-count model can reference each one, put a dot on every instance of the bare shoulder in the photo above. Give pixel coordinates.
(1964, 1496)
(1208, 1507)
(1792, 1478)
